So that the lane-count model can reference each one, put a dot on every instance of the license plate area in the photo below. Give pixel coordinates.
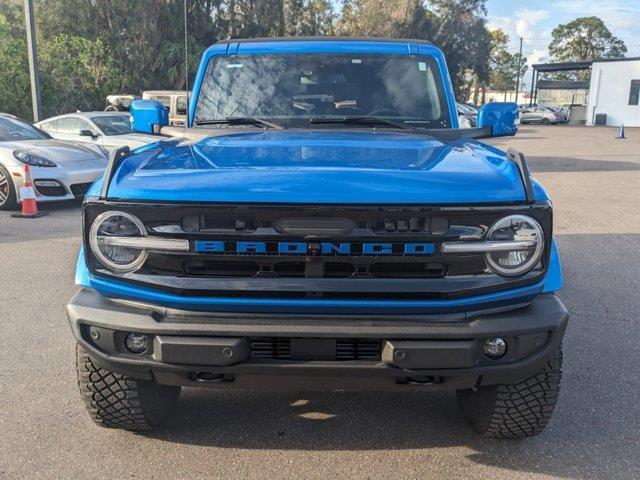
(313, 349)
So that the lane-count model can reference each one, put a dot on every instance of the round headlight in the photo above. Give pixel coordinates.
(522, 258)
(114, 224)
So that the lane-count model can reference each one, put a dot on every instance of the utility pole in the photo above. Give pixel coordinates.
(33, 60)
(519, 69)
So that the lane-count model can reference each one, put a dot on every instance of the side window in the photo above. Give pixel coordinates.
(181, 106)
(166, 101)
(634, 92)
(73, 125)
(51, 126)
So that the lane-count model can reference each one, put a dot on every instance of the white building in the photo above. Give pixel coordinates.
(615, 91)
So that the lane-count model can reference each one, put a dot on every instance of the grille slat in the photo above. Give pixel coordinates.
(346, 349)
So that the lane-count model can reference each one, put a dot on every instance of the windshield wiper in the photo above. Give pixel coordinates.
(240, 121)
(363, 120)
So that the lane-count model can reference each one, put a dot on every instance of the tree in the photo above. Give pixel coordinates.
(15, 96)
(76, 73)
(505, 68)
(462, 35)
(585, 38)
(382, 18)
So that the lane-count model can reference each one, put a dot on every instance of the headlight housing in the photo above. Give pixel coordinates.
(32, 159)
(526, 238)
(105, 239)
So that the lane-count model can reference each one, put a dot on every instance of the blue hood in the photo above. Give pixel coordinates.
(319, 167)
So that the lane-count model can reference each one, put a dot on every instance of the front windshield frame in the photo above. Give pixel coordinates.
(98, 121)
(433, 93)
(37, 134)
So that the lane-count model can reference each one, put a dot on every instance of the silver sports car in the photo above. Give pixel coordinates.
(61, 170)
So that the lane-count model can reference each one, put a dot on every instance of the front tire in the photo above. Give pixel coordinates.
(516, 410)
(8, 196)
(117, 401)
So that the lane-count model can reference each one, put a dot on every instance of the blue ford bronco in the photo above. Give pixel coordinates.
(320, 223)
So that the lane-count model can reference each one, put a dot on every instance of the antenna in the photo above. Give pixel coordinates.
(186, 65)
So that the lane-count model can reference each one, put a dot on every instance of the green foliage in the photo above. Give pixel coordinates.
(89, 49)
(15, 94)
(505, 67)
(585, 38)
(76, 73)
(462, 35)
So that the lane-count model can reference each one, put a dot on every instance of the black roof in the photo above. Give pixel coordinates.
(584, 65)
(562, 67)
(330, 39)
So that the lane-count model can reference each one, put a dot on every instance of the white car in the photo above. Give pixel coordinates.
(60, 170)
(109, 129)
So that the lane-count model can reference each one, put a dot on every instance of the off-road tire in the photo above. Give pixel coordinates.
(11, 202)
(517, 410)
(117, 401)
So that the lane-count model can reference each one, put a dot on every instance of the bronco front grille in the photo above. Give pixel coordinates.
(319, 252)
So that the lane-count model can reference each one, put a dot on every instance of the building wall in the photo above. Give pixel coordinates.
(558, 98)
(494, 96)
(609, 93)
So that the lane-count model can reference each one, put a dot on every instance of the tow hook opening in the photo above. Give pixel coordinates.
(421, 380)
(208, 377)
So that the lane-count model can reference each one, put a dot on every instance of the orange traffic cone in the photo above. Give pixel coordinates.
(28, 198)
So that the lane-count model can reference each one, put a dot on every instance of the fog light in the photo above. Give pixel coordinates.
(495, 347)
(95, 334)
(137, 343)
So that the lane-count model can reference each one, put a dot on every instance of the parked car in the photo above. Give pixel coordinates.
(564, 113)
(468, 112)
(326, 227)
(108, 129)
(541, 115)
(175, 101)
(60, 170)
(463, 122)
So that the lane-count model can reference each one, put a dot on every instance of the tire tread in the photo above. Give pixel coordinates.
(113, 400)
(517, 410)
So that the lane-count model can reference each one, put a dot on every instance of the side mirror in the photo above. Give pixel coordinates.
(148, 116)
(88, 133)
(501, 117)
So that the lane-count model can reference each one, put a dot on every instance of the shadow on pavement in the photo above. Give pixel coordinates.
(593, 435)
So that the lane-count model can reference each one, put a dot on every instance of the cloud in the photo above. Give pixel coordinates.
(522, 24)
(616, 14)
(526, 19)
(525, 23)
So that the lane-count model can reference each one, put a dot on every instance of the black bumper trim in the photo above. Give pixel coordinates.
(546, 314)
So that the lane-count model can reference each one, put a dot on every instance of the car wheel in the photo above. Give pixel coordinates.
(8, 196)
(546, 121)
(114, 400)
(515, 410)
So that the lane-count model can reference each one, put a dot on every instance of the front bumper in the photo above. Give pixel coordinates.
(199, 348)
(72, 183)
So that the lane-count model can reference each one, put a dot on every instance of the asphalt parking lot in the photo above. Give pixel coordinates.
(595, 434)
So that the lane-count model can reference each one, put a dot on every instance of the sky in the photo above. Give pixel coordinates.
(534, 21)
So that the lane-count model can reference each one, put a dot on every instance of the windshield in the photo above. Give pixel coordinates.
(15, 130)
(292, 89)
(113, 124)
